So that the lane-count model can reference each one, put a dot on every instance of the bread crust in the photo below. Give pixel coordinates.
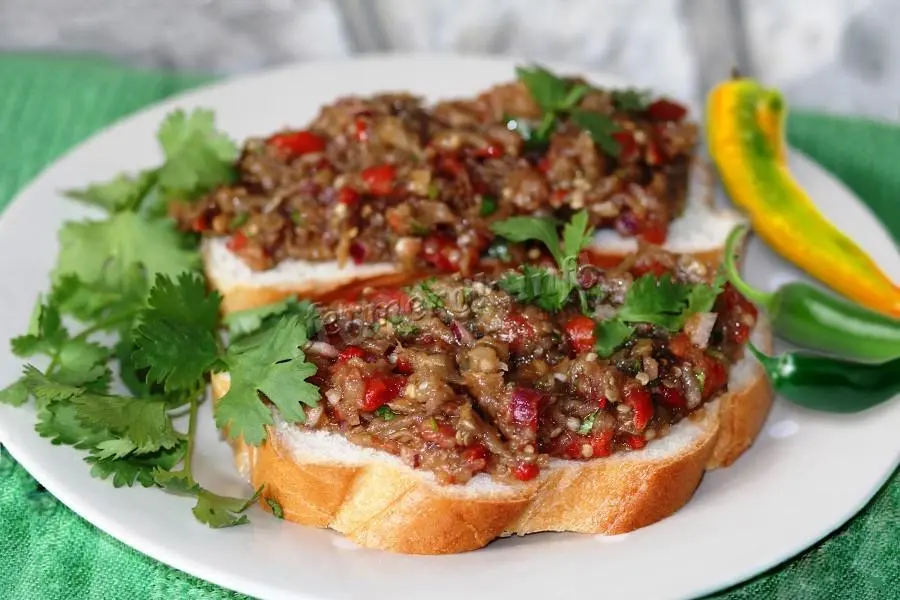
(385, 505)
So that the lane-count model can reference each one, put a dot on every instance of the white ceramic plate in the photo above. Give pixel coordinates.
(807, 474)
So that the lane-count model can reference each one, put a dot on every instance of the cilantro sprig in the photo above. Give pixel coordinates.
(558, 99)
(133, 275)
(550, 290)
(659, 301)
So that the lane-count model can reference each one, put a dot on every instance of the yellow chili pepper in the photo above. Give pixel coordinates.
(745, 133)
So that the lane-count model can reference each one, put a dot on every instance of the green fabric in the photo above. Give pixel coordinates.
(48, 104)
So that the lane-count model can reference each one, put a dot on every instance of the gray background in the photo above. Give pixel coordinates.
(840, 55)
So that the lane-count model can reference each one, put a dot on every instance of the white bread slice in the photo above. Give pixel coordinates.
(322, 480)
(700, 231)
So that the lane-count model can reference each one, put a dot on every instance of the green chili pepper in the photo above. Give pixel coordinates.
(813, 318)
(830, 384)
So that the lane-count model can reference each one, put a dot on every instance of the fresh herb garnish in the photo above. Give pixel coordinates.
(134, 275)
(276, 507)
(601, 129)
(630, 99)
(659, 301)
(488, 206)
(239, 220)
(267, 362)
(588, 424)
(402, 326)
(386, 413)
(296, 217)
(431, 299)
(244, 322)
(559, 99)
(418, 229)
(547, 289)
(197, 158)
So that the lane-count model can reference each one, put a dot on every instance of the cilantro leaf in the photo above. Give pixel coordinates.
(223, 511)
(94, 300)
(701, 298)
(431, 299)
(386, 413)
(610, 335)
(174, 338)
(588, 424)
(601, 129)
(402, 326)
(522, 229)
(123, 192)
(535, 285)
(276, 508)
(244, 322)
(268, 362)
(659, 301)
(630, 99)
(45, 334)
(548, 90)
(58, 423)
(15, 394)
(135, 469)
(576, 235)
(47, 389)
(83, 363)
(144, 423)
(108, 250)
(198, 156)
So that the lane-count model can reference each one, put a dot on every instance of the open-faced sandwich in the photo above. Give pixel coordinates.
(378, 189)
(458, 410)
(520, 323)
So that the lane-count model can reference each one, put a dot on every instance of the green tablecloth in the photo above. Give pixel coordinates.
(49, 104)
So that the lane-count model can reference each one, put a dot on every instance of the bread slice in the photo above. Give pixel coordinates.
(322, 480)
(701, 231)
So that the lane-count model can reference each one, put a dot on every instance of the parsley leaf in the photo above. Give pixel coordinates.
(268, 362)
(610, 335)
(174, 338)
(198, 156)
(108, 250)
(244, 322)
(601, 129)
(123, 192)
